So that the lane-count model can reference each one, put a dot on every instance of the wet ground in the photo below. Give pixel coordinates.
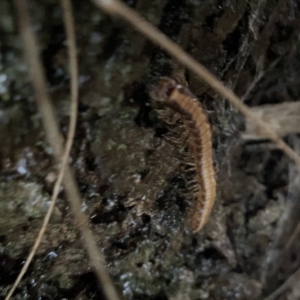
(130, 174)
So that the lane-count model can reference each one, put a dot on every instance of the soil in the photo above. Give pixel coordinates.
(129, 172)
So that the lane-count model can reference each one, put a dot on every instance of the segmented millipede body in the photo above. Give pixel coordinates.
(181, 100)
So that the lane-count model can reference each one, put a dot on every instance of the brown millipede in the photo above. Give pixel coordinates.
(178, 97)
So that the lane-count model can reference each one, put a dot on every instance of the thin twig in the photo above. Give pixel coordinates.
(260, 73)
(293, 192)
(53, 135)
(283, 118)
(69, 25)
(115, 7)
(292, 280)
(292, 237)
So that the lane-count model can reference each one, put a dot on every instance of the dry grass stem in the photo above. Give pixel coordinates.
(69, 25)
(292, 237)
(260, 73)
(56, 141)
(116, 7)
(283, 118)
(292, 280)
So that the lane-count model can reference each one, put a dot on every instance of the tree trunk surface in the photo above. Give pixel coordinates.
(129, 169)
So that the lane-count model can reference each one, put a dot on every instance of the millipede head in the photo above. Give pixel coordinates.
(163, 89)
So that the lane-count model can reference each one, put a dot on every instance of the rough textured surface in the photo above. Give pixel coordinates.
(129, 173)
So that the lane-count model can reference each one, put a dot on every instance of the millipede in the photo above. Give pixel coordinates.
(173, 93)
